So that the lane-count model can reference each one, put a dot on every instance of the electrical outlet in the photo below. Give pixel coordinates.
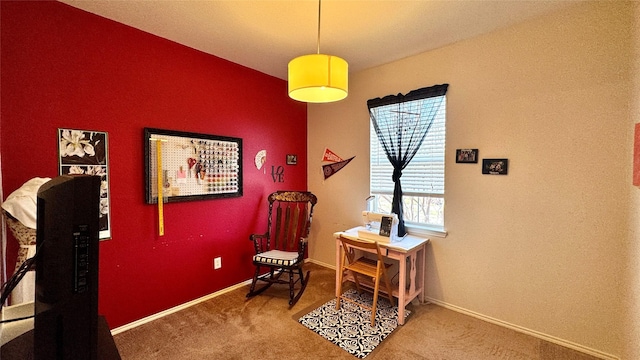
(217, 263)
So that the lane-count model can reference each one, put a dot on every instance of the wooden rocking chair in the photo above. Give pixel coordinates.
(281, 249)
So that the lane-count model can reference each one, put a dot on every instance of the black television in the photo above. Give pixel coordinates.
(66, 299)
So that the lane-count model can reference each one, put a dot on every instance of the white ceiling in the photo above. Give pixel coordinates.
(266, 35)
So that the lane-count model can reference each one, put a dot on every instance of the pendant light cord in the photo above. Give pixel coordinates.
(319, 4)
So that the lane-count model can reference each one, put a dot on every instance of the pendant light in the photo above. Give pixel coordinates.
(318, 78)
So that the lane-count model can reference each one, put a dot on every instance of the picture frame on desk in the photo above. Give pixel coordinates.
(385, 226)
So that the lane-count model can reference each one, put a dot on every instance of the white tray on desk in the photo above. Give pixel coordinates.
(363, 233)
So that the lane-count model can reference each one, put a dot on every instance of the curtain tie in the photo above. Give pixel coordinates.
(397, 173)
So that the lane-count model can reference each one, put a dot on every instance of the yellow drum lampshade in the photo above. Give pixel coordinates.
(318, 78)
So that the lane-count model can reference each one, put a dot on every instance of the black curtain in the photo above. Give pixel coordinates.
(402, 122)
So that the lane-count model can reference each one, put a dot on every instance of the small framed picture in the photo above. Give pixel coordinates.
(495, 166)
(469, 156)
(292, 159)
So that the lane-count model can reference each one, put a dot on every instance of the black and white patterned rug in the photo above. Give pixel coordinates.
(350, 326)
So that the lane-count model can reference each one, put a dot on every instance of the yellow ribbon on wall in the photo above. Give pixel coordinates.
(160, 186)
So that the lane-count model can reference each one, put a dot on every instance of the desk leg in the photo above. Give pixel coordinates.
(338, 266)
(402, 286)
(422, 263)
(412, 273)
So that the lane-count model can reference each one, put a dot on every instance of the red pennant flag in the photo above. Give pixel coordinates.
(331, 156)
(331, 169)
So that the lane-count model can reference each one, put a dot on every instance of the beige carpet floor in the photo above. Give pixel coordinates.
(231, 327)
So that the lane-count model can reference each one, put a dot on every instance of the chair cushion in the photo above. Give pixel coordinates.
(277, 257)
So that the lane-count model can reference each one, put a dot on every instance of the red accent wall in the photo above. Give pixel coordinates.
(65, 68)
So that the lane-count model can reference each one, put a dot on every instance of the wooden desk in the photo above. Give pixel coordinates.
(410, 247)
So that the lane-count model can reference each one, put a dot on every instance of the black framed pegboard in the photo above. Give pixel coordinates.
(191, 166)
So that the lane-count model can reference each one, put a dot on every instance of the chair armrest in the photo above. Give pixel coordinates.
(254, 237)
(303, 245)
(260, 242)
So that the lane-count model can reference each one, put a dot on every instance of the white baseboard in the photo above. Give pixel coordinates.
(537, 334)
(174, 309)
(333, 267)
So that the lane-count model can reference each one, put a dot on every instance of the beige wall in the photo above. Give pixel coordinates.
(632, 317)
(542, 248)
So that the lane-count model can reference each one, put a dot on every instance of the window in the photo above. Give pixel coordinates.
(422, 180)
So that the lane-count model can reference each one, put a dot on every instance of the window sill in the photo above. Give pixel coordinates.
(425, 231)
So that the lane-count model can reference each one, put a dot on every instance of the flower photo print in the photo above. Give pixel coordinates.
(85, 152)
